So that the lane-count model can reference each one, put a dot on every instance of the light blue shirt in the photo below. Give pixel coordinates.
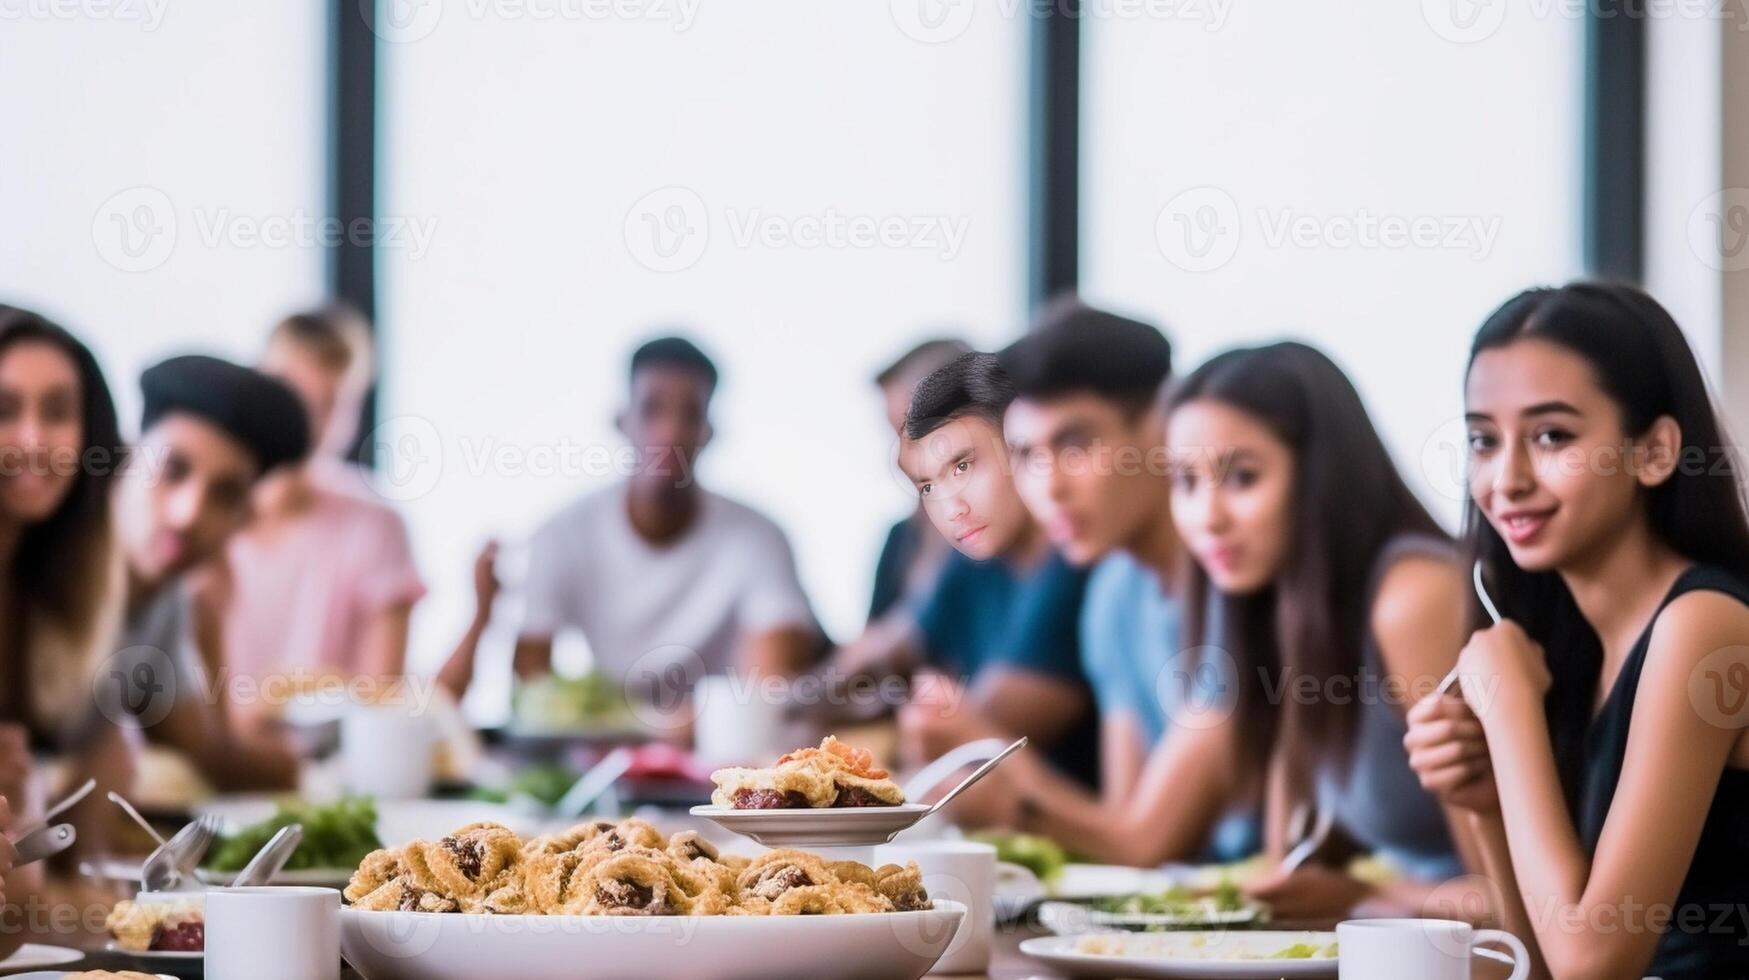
(1132, 636)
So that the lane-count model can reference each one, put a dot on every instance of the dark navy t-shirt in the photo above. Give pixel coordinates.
(988, 614)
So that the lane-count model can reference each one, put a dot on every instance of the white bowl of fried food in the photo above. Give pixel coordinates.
(623, 900)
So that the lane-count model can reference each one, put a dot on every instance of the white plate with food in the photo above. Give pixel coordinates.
(830, 796)
(1231, 955)
(1075, 919)
(32, 955)
(841, 827)
(457, 946)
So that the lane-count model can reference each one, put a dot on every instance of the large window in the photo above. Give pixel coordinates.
(804, 188)
(1370, 177)
(163, 185)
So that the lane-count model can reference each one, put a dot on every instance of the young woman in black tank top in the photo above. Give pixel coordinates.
(1601, 742)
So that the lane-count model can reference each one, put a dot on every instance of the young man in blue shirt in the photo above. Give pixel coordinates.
(993, 646)
(1088, 443)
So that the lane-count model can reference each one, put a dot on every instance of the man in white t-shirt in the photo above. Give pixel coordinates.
(663, 578)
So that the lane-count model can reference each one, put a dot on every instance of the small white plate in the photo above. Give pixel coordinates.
(60, 975)
(158, 955)
(36, 954)
(1070, 919)
(849, 826)
(307, 877)
(1175, 955)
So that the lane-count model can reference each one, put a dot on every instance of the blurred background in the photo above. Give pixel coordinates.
(518, 191)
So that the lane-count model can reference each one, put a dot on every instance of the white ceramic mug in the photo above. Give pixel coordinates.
(960, 871)
(273, 933)
(387, 751)
(736, 723)
(1427, 949)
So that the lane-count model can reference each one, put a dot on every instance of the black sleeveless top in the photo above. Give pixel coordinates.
(1707, 935)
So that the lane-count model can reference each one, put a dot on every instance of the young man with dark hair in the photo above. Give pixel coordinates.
(912, 553)
(658, 573)
(999, 625)
(1090, 462)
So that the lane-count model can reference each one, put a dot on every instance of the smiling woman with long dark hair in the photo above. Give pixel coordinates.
(1606, 770)
(59, 444)
(1334, 588)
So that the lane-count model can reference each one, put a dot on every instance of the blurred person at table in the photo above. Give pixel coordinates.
(321, 581)
(659, 574)
(60, 585)
(991, 646)
(1336, 586)
(1599, 737)
(1087, 439)
(912, 553)
(209, 432)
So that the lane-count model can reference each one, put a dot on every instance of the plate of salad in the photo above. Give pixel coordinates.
(1237, 955)
(1174, 908)
(337, 836)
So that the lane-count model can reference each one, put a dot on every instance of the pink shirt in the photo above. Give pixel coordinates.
(303, 594)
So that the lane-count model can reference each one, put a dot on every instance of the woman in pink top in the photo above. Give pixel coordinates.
(322, 582)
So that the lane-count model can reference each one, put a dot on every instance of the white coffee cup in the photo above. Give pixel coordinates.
(273, 933)
(1427, 949)
(737, 723)
(960, 871)
(387, 751)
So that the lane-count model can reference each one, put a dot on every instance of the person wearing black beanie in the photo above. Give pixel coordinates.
(209, 431)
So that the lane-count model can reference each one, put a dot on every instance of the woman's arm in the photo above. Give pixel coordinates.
(1417, 621)
(1590, 915)
(382, 653)
(1182, 791)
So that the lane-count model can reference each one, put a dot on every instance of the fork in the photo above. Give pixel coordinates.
(170, 866)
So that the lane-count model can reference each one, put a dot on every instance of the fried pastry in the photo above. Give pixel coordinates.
(833, 775)
(623, 869)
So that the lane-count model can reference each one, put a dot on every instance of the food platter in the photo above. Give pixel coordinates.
(452, 946)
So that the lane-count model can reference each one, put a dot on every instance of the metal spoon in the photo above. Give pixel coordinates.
(977, 774)
(169, 867)
(1312, 841)
(268, 861)
(1487, 604)
(72, 799)
(127, 807)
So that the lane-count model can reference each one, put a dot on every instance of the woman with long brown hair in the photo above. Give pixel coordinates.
(59, 596)
(1335, 592)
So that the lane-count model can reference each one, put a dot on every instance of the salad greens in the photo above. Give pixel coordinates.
(545, 782)
(337, 835)
(555, 703)
(1305, 951)
(1040, 855)
(1176, 901)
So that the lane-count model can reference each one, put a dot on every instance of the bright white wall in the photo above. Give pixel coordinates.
(1331, 116)
(199, 126)
(549, 151)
